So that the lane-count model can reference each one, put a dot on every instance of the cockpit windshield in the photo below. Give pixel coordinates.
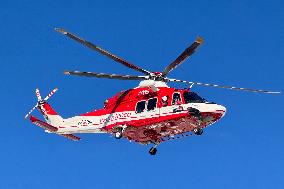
(192, 97)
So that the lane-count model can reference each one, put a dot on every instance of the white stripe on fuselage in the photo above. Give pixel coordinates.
(93, 124)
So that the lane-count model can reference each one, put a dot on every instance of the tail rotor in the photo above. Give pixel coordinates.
(39, 100)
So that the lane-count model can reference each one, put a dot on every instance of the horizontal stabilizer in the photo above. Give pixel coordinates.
(51, 128)
(70, 136)
(42, 124)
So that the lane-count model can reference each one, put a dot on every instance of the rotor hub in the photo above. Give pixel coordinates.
(149, 83)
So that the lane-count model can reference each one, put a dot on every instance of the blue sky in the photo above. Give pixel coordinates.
(243, 47)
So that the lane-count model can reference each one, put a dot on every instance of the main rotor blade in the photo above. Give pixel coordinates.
(184, 55)
(104, 75)
(102, 51)
(226, 87)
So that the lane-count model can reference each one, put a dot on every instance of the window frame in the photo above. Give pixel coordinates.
(144, 106)
(165, 103)
(155, 105)
(173, 98)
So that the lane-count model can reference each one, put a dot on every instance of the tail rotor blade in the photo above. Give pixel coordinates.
(38, 94)
(31, 111)
(50, 94)
(225, 87)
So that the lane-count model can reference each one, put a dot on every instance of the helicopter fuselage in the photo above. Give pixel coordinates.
(146, 116)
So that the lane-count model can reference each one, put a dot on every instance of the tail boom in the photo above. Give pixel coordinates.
(50, 115)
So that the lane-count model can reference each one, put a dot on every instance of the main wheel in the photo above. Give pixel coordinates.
(118, 135)
(198, 131)
(153, 151)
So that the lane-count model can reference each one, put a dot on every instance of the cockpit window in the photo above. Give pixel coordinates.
(192, 97)
(140, 107)
(151, 104)
(176, 99)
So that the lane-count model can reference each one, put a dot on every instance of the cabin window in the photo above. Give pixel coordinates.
(176, 99)
(140, 107)
(152, 103)
(165, 100)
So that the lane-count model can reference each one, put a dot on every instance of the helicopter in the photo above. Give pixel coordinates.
(150, 113)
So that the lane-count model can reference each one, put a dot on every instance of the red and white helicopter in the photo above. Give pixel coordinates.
(151, 113)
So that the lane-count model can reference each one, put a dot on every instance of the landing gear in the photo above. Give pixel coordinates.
(119, 132)
(198, 131)
(153, 150)
(195, 113)
(118, 135)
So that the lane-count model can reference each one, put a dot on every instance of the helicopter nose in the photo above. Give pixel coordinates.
(221, 109)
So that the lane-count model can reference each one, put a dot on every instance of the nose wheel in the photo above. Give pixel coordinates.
(153, 150)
